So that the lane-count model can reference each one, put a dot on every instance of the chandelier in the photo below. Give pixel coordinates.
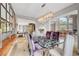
(45, 17)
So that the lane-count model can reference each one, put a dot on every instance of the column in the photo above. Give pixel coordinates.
(78, 29)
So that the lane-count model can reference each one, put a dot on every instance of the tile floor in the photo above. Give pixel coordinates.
(20, 48)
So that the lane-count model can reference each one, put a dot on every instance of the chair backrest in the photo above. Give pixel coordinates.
(48, 34)
(55, 35)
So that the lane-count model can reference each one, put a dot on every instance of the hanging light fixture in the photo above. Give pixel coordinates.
(45, 17)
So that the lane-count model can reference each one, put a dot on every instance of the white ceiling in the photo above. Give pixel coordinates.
(34, 10)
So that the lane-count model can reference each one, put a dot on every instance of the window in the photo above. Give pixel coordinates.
(0, 27)
(6, 20)
(0, 35)
(3, 26)
(8, 16)
(70, 21)
(11, 21)
(8, 7)
(11, 12)
(0, 23)
(6, 23)
(70, 24)
(63, 23)
(4, 4)
(3, 12)
(8, 27)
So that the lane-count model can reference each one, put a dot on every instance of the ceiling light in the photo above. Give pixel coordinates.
(43, 5)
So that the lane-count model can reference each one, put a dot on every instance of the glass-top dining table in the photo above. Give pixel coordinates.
(46, 43)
